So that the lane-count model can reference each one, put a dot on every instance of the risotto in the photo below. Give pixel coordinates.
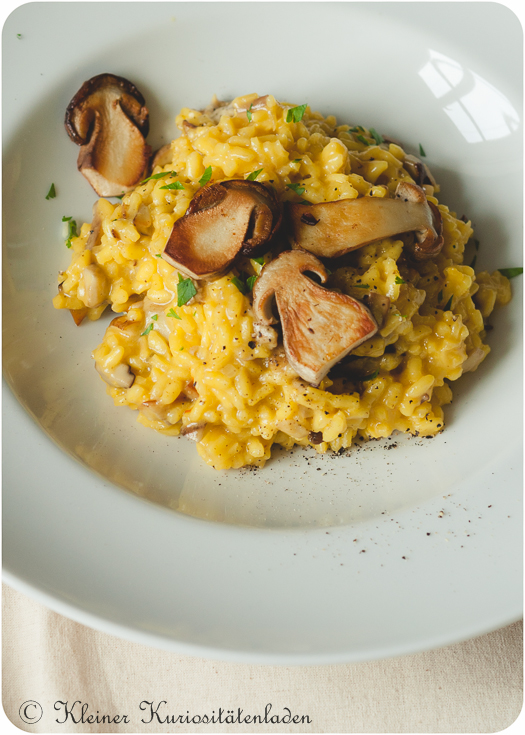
(191, 354)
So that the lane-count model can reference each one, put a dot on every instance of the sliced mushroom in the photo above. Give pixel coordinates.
(195, 432)
(162, 157)
(348, 224)
(419, 171)
(265, 335)
(107, 117)
(319, 326)
(222, 221)
(96, 225)
(378, 305)
(120, 376)
(93, 286)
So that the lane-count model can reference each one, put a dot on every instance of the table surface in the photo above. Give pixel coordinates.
(474, 686)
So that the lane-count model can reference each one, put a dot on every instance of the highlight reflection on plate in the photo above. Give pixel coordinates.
(157, 575)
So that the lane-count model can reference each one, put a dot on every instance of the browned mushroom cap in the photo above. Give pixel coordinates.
(222, 221)
(108, 119)
(319, 326)
(331, 229)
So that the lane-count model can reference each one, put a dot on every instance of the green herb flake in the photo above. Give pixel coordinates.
(510, 272)
(297, 188)
(376, 136)
(240, 284)
(120, 196)
(180, 349)
(362, 139)
(250, 282)
(51, 194)
(154, 177)
(206, 176)
(71, 230)
(158, 255)
(357, 129)
(297, 160)
(361, 285)
(371, 376)
(422, 151)
(173, 314)
(448, 304)
(19, 35)
(174, 185)
(147, 330)
(185, 290)
(399, 280)
(66, 219)
(249, 112)
(155, 317)
(295, 114)
(260, 261)
(253, 175)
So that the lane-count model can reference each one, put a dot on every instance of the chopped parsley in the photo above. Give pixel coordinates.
(371, 376)
(297, 160)
(174, 185)
(448, 305)
(206, 176)
(173, 314)
(244, 282)
(241, 285)
(361, 285)
(295, 114)
(376, 136)
(399, 280)
(154, 177)
(147, 330)
(71, 230)
(180, 349)
(253, 175)
(362, 139)
(422, 150)
(249, 112)
(297, 188)
(357, 129)
(19, 35)
(158, 255)
(155, 317)
(51, 194)
(185, 290)
(510, 272)
(259, 260)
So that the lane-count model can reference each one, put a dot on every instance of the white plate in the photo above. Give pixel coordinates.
(313, 559)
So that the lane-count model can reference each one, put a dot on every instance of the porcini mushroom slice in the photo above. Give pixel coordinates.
(121, 376)
(419, 171)
(319, 326)
(222, 221)
(108, 119)
(348, 224)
